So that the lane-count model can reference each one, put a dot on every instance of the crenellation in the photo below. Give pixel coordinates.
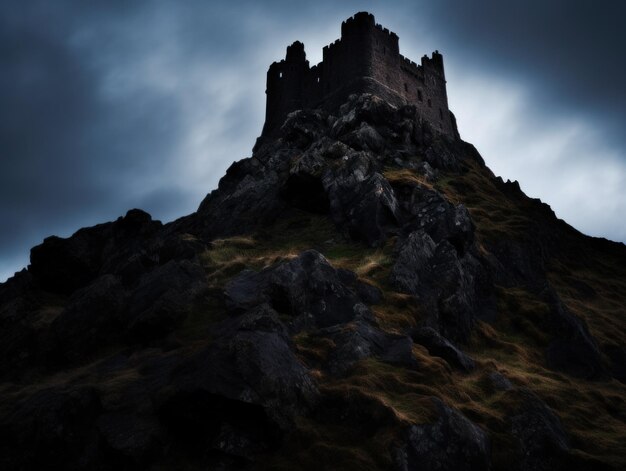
(366, 58)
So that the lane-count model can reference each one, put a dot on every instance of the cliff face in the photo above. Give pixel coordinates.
(361, 293)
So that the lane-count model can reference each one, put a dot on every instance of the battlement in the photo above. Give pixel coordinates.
(366, 58)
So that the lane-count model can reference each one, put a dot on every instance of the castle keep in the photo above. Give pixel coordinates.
(365, 59)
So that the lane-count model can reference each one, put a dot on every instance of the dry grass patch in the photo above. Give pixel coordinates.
(405, 176)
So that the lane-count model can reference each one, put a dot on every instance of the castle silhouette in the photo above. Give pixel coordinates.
(366, 59)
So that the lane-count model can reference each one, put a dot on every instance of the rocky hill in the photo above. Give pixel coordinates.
(361, 293)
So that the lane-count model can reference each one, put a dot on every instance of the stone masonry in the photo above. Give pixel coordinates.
(365, 59)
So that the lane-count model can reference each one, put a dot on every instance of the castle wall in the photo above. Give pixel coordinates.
(364, 51)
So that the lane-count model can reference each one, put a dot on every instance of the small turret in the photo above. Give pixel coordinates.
(295, 53)
(286, 83)
(358, 24)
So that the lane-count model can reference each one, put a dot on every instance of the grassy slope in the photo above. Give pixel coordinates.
(593, 413)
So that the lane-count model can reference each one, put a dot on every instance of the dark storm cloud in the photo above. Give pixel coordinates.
(108, 105)
(571, 50)
(68, 151)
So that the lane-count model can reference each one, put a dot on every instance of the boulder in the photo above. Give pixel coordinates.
(366, 208)
(306, 288)
(411, 271)
(163, 299)
(359, 340)
(251, 360)
(64, 265)
(452, 443)
(439, 346)
(452, 288)
(365, 137)
(572, 349)
(426, 209)
(499, 382)
(543, 444)
(93, 317)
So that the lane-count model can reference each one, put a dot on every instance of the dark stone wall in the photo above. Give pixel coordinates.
(367, 54)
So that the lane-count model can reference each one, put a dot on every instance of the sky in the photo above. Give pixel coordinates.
(109, 105)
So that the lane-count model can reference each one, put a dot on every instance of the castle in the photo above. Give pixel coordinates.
(365, 59)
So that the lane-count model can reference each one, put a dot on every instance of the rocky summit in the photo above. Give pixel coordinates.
(360, 293)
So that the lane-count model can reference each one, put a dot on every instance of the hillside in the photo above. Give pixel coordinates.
(361, 293)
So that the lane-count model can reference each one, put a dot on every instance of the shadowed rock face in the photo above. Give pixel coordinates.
(451, 443)
(234, 338)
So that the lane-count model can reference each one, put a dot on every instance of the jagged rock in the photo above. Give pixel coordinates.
(451, 443)
(247, 197)
(428, 210)
(541, 438)
(441, 347)
(359, 340)
(499, 382)
(302, 127)
(366, 207)
(20, 323)
(163, 298)
(64, 265)
(425, 169)
(441, 156)
(369, 294)
(104, 312)
(50, 429)
(256, 367)
(306, 288)
(449, 286)
(93, 317)
(411, 270)
(518, 262)
(572, 349)
(365, 138)
(364, 108)
(335, 149)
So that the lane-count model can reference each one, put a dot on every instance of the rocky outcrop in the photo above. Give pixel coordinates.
(572, 349)
(100, 368)
(307, 288)
(540, 435)
(328, 303)
(451, 443)
(453, 287)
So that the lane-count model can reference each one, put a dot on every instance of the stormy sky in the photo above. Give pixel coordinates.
(108, 105)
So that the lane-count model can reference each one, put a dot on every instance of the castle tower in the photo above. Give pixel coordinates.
(286, 85)
(365, 59)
